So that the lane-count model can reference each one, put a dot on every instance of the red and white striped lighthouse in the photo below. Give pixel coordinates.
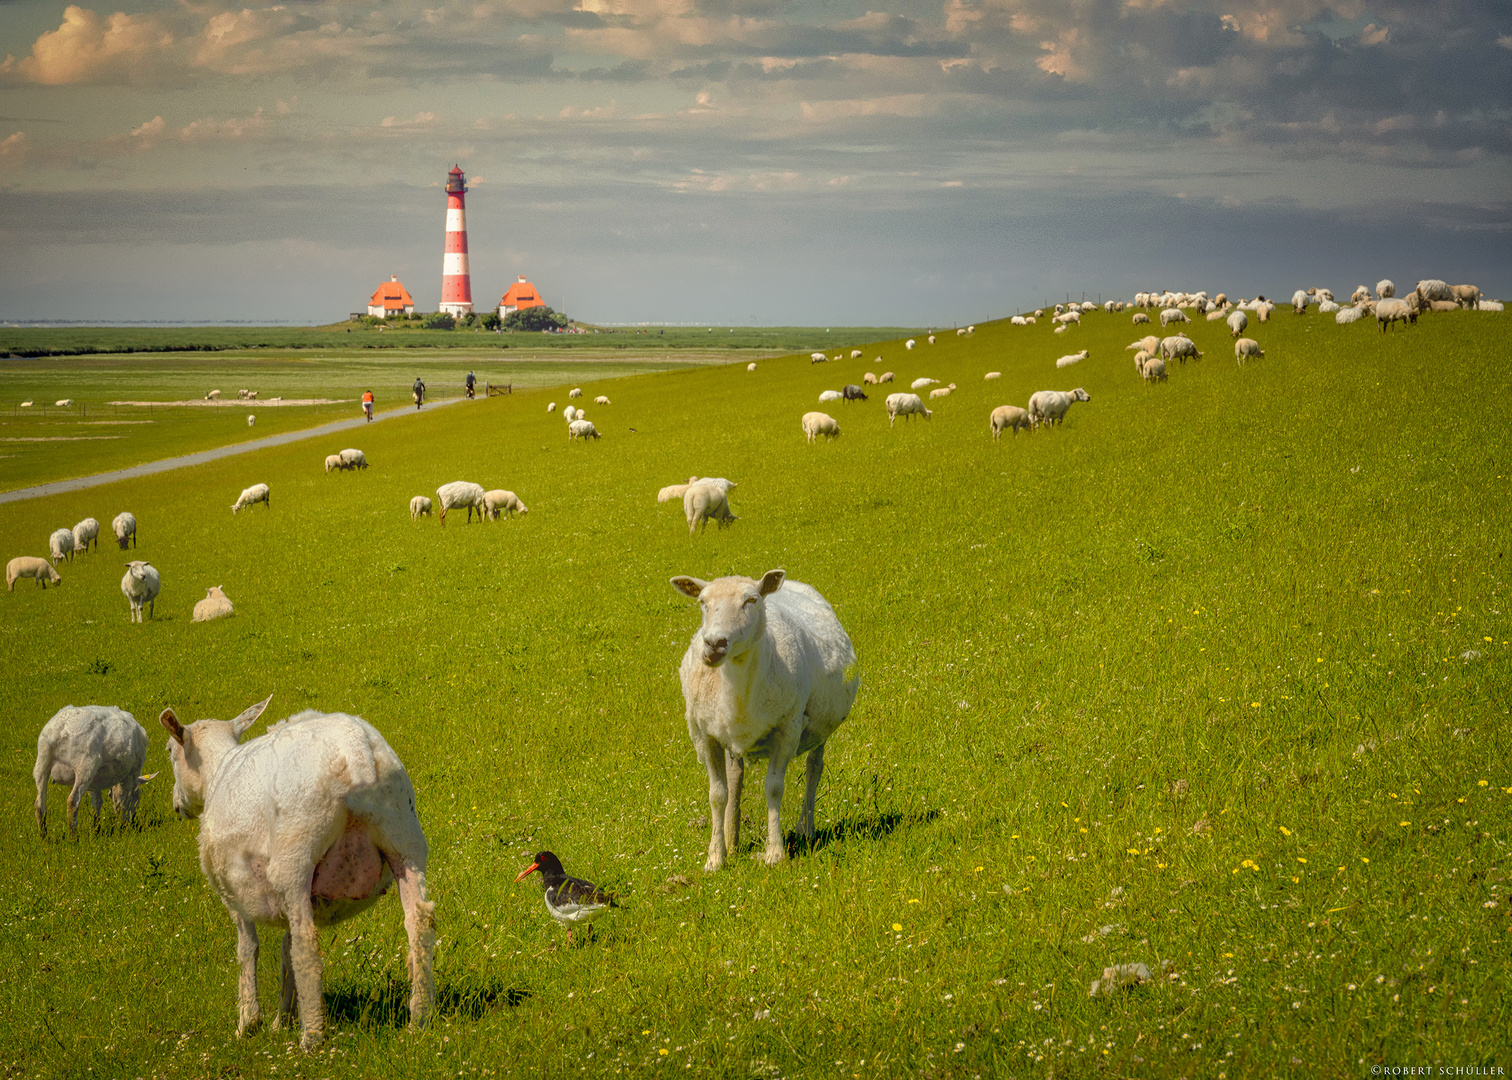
(456, 280)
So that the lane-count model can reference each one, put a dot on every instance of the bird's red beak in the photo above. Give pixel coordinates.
(525, 873)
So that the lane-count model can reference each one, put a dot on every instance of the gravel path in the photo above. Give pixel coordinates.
(59, 486)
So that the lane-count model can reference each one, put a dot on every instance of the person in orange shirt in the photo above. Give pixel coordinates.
(367, 404)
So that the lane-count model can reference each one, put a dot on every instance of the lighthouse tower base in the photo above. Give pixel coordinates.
(457, 310)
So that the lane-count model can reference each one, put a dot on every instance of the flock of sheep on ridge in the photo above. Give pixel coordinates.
(310, 823)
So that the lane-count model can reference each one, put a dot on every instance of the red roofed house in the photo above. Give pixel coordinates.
(521, 295)
(391, 298)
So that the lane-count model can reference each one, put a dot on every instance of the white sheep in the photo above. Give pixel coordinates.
(498, 501)
(1060, 329)
(1392, 310)
(1489, 305)
(582, 429)
(830, 395)
(1360, 295)
(85, 532)
(23, 566)
(919, 384)
(257, 493)
(1154, 370)
(818, 423)
(141, 585)
(1300, 300)
(1170, 315)
(457, 494)
(909, 405)
(885, 377)
(961, 332)
(1433, 289)
(303, 827)
(61, 546)
(333, 461)
(1018, 320)
(992, 375)
(869, 379)
(91, 749)
(1068, 318)
(751, 366)
(930, 339)
(419, 505)
(1140, 358)
(1385, 290)
(942, 391)
(1179, 348)
(1150, 344)
(551, 407)
(674, 491)
(63, 403)
(354, 459)
(909, 344)
(1029, 319)
(1074, 358)
(855, 354)
(818, 358)
(703, 501)
(1246, 347)
(602, 400)
(1050, 406)
(575, 392)
(251, 420)
(125, 528)
(215, 605)
(251, 395)
(1466, 296)
(213, 395)
(1327, 307)
(1237, 322)
(790, 682)
(1263, 309)
(1347, 315)
(242, 394)
(570, 413)
(1006, 417)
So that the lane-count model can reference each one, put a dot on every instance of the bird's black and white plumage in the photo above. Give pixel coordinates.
(571, 901)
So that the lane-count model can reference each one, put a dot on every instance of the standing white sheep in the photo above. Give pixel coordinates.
(575, 392)
(141, 585)
(333, 461)
(908, 405)
(1237, 322)
(354, 459)
(1246, 347)
(551, 407)
(1050, 406)
(789, 682)
(751, 366)
(251, 420)
(91, 749)
(419, 505)
(909, 344)
(499, 501)
(582, 429)
(602, 400)
(60, 545)
(213, 395)
(257, 493)
(705, 500)
(215, 605)
(1170, 315)
(1140, 317)
(885, 377)
(125, 528)
(1154, 369)
(1385, 290)
(85, 532)
(1005, 417)
(457, 494)
(818, 423)
(303, 827)
(1179, 348)
(24, 566)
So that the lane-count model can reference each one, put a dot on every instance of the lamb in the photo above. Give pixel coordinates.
(830, 395)
(124, 527)
(251, 420)
(551, 406)
(141, 585)
(1149, 344)
(213, 395)
(1006, 417)
(1385, 290)
(84, 532)
(908, 405)
(1466, 295)
(1393, 311)
(751, 366)
(581, 429)
(30, 566)
(457, 494)
(303, 827)
(251, 395)
(1060, 329)
(992, 375)
(1140, 359)
(60, 545)
(602, 400)
(885, 377)
(942, 391)
(257, 493)
(852, 392)
(930, 339)
(919, 384)
(1154, 370)
(354, 459)
(818, 358)
(1347, 315)
(909, 344)
(215, 605)
(242, 394)
(92, 749)
(1246, 347)
(1050, 406)
(1170, 315)
(818, 423)
(1179, 348)
(1237, 322)
(499, 501)
(703, 501)
(419, 505)
(869, 379)
(1074, 358)
(333, 461)
(575, 392)
(790, 682)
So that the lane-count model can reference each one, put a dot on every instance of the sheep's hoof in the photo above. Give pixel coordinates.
(250, 1027)
(310, 1040)
(772, 858)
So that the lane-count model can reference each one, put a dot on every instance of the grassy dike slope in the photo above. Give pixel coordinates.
(1179, 680)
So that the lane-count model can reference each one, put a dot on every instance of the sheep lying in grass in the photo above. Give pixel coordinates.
(1179, 348)
(24, 566)
(1050, 406)
(419, 505)
(818, 423)
(457, 494)
(1348, 315)
(1006, 417)
(91, 749)
(63, 403)
(303, 827)
(921, 383)
(499, 501)
(257, 493)
(830, 395)
(992, 375)
(215, 605)
(789, 682)
(1489, 305)
(1245, 348)
(333, 461)
(353, 459)
(1154, 370)
(60, 545)
(1074, 358)
(942, 391)
(909, 405)
(85, 532)
(704, 501)
(141, 585)
(581, 429)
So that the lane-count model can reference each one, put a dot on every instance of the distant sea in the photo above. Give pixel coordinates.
(154, 322)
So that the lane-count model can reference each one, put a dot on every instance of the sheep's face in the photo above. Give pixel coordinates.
(195, 752)
(734, 613)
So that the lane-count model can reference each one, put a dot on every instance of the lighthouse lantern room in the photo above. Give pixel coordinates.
(456, 279)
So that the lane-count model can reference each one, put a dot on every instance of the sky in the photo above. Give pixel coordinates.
(771, 162)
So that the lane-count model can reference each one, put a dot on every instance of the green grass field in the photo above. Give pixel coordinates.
(1192, 678)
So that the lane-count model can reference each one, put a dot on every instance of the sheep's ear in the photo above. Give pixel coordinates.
(771, 581)
(689, 586)
(248, 718)
(171, 722)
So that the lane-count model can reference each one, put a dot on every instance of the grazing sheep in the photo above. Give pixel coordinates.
(1347, 315)
(674, 491)
(1074, 358)
(575, 392)
(930, 339)
(1154, 370)
(961, 332)
(61, 546)
(1006, 417)
(1300, 300)
(703, 501)
(257, 493)
(1466, 295)
(581, 429)
(124, 527)
(818, 358)
(419, 505)
(1434, 289)
(1149, 344)
(1029, 319)
(1263, 310)
(1068, 318)
(1139, 361)
(919, 384)
(1170, 315)
(909, 344)
(830, 395)
(251, 395)
(333, 461)
(242, 394)
(1385, 290)
(1018, 320)
(751, 366)
(551, 407)
(1391, 310)
(141, 585)
(992, 375)
(1237, 322)
(818, 423)
(91, 749)
(30, 566)
(790, 682)
(84, 532)
(251, 420)
(942, 391)
(908, 405)
(852, 392)
(215, 605)
(455, 496)
(869, 379)
(602, 400)
(1179, 348)
(1039, 313)
(1246, 347)
(303, 827)
(1050, 406)
(855, 354)
(570, 414)
(354, 459)
(885, 377)
(499, 501)
(213, 395)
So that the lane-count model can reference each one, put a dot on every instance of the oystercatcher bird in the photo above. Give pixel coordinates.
(571, 901)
